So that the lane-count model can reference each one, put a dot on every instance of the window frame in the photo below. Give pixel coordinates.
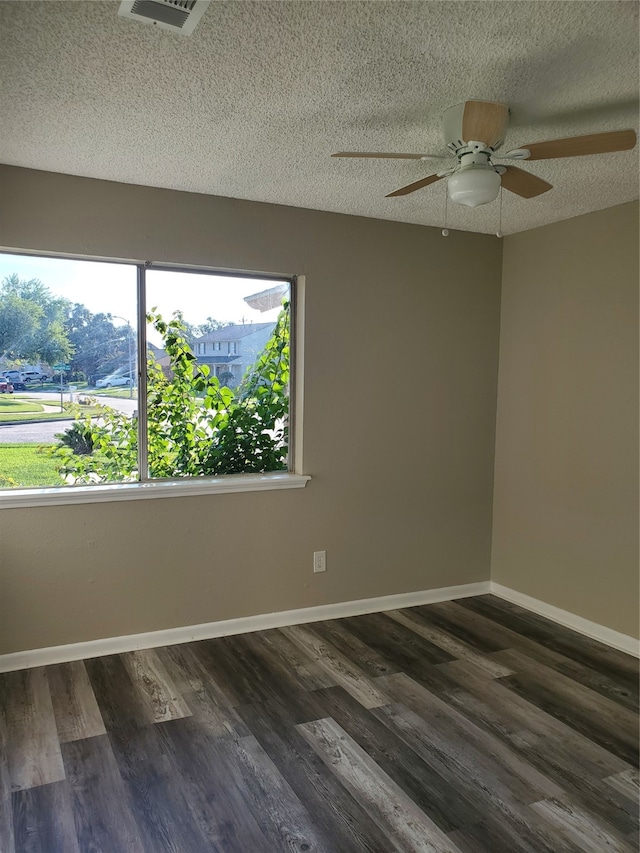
(145, 487)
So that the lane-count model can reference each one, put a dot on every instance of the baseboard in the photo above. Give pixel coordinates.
(243, 625)
(608, 636)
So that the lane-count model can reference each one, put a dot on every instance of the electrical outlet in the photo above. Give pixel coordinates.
(319, 561)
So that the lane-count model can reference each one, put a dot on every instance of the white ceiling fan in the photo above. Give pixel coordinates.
(473, 132)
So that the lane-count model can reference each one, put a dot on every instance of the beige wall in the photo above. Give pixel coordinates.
(401, 457)
(565, 526)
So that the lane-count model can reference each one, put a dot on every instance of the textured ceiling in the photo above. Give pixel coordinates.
(252, 105)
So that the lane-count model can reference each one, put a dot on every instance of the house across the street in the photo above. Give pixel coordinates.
(233, 348)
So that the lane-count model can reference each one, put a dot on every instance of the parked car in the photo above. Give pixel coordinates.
(33, 376)
(13, 375)
(18, 385)
(6, 387)
(113, 381)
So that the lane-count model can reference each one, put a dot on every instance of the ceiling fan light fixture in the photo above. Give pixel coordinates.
(474, 186)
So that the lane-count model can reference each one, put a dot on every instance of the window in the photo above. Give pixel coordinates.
(96, 420)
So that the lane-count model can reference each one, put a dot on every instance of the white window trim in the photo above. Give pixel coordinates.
(183, 487)
(220, 485)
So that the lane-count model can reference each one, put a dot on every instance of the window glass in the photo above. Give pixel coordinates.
(68, 345)
(214, 398)
(224, 412)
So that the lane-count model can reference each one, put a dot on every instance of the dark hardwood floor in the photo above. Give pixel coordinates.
(470, 726)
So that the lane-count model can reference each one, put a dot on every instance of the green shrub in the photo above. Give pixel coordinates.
(196, 425)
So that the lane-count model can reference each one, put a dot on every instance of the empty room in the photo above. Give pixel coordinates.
(319, 404)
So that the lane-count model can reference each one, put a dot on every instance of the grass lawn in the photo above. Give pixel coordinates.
(11, 405)
(28, 465)
(43, 416)
(55, 386)
(23, 409)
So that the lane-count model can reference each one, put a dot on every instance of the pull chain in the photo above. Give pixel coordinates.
(499, 231)
(445, 230)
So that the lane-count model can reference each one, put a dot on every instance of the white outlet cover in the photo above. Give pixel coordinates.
(319, 561)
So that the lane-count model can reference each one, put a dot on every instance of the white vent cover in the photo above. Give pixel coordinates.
(179, 16)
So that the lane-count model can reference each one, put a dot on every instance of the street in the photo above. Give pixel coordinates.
(44, 433)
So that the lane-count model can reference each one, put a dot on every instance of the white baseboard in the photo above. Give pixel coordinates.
(243, 625)
(608, 636)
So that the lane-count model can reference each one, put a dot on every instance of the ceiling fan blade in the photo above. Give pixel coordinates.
(576, 146)
(416, 185)
(484, 121)
(523, 183)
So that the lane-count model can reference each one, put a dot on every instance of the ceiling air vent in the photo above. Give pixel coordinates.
(179, 16)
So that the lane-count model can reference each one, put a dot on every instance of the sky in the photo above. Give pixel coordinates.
(111, 289)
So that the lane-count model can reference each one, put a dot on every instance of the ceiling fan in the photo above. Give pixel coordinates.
(473, 133)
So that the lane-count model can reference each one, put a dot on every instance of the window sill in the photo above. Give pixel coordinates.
(221, 485)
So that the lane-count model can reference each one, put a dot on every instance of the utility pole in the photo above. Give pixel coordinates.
(117, 317)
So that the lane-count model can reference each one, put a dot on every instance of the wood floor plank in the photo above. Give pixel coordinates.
(566, 757)
(363, 656)
(43, 820)
(456, 648)
(513, 833)
(102, 817)
(210, 778)
(454, 738)
(341, 669)
(492, 607)
(308, 674)
(472, 726)
(504, 712)
(283, 819)
(155, 795)
(208, 702)
(593, 655)
(74, 704)
(447, 807)
(216, 661)
(396, 814)
(289, 676)
(248, 673)
(480, 633)
(32, 739)
(6, 812)
(153, 792)
(634, 840)
(484, 633)
(615, 674)
(396, 643)
(509, 825)
(155, 685)
(627, 783)
(598, 718)
(337, 813)
(582, 828)
(120, 704)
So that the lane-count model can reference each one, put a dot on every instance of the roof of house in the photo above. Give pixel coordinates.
(233, 332)
(218, 359)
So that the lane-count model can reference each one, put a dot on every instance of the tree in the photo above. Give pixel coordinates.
(32, 321)
(98, 345)
(194, 331)
(196, 426)
(19, 322)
